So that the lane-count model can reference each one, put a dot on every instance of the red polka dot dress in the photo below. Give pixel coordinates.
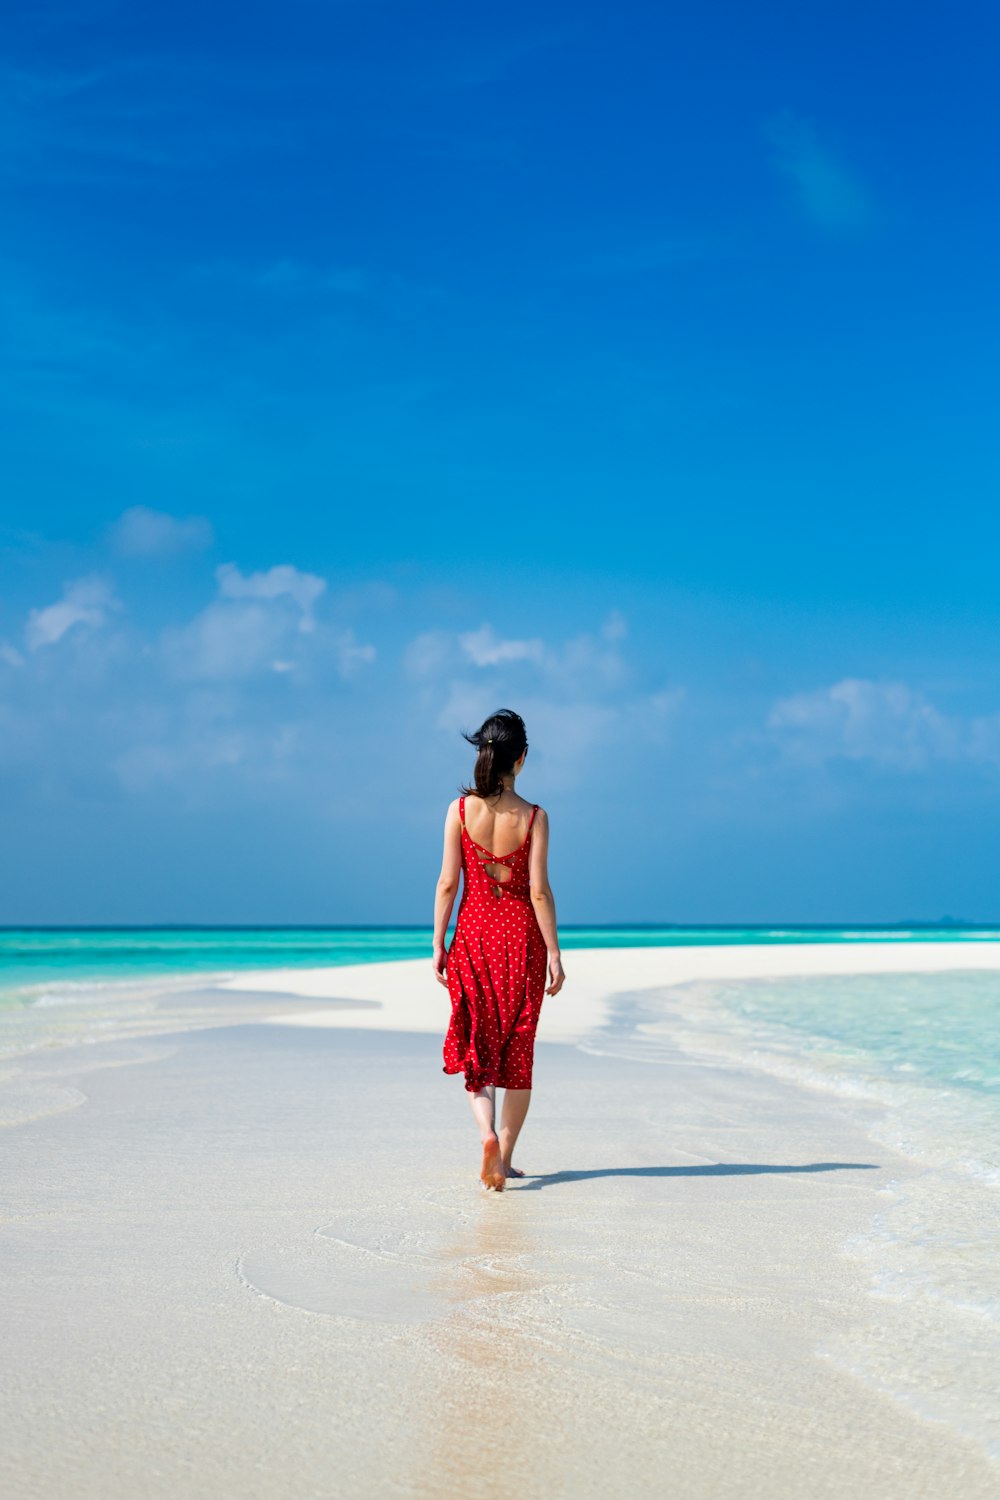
(496, 969)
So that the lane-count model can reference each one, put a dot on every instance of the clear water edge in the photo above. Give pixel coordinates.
(917, 1057)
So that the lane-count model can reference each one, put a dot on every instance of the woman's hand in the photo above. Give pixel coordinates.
(556, 976)
(440, 962)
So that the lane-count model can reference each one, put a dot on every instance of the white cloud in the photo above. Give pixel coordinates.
(142, 532)
(279, 582)
(351, 654)
(485, 648)
(228, 641)
(572, 735)
(85, 601)
(428, 654)
(827, 192)
(577, 697)
(258, 625)
(588, 661)
(10, 655)
(887, 723)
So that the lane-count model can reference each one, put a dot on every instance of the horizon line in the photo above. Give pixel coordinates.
(942, 923)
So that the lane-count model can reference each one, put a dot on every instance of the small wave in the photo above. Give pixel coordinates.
(73, 994)
(25, 1100)
(879, 935)
(100, 991)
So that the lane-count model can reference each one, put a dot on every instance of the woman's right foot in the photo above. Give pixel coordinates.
(492, 1173)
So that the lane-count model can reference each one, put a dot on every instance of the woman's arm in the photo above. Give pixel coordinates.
(543, 900)
(447, 887)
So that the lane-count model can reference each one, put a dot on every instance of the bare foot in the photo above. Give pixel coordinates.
(512, 1171)
(491, 1173)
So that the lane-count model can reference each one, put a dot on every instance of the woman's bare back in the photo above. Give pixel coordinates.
(499, 825)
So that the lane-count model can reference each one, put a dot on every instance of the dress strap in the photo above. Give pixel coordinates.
(461, 810)
(534, 809)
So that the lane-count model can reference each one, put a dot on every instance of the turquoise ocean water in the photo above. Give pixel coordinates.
(31, 956)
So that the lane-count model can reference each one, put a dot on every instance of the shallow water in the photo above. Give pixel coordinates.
(919, 1056)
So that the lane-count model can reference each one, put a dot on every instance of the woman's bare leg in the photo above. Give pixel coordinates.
(483, 1103)
(515, 1108)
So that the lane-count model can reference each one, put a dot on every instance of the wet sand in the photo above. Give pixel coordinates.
(257, 1263)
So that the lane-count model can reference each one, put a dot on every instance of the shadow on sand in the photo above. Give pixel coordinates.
(711, 1169)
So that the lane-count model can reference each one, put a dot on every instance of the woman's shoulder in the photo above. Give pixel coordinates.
(538, 818)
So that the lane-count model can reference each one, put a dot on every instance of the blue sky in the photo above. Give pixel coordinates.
(364, 369)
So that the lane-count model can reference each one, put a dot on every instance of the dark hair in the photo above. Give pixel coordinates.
(500, 741)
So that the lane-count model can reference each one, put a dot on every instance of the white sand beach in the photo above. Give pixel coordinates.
(248, 1256)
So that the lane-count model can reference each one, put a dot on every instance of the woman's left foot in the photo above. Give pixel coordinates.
(491, 1173)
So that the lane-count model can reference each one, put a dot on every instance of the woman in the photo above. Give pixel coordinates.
(504, 936)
